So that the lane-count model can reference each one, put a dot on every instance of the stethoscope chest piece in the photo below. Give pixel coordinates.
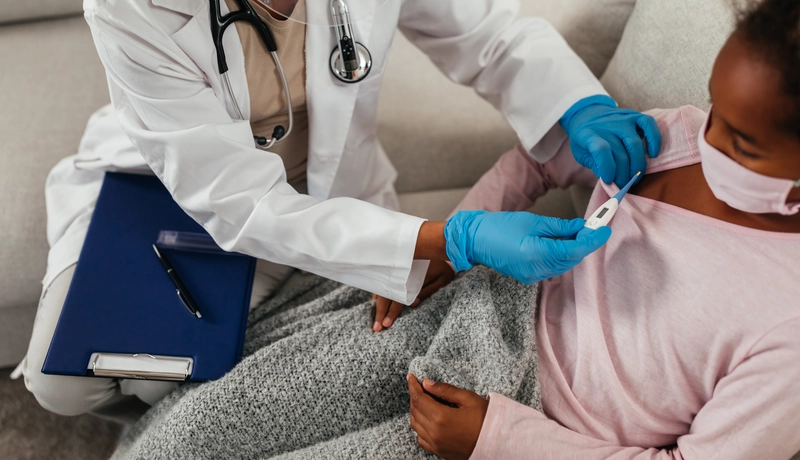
(346, 67)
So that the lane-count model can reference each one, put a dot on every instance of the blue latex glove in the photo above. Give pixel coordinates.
(520, 244)
(608, 140)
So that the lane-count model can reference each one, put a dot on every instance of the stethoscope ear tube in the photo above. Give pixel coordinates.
(217, 32)
(261, 28)
(219, 24)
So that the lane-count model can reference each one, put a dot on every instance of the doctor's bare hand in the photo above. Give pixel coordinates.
(439, 275)
(449, 431)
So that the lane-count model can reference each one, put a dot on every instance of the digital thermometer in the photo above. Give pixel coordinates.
(603, 215)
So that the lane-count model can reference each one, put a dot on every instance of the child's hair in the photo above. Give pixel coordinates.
(773, 26)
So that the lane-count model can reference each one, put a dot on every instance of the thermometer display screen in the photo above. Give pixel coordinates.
(602, 213)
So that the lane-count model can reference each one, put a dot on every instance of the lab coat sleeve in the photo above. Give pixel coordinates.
(523, 67)
(239, 194)
(754, 413)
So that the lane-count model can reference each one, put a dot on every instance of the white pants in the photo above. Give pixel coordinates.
(122, 400)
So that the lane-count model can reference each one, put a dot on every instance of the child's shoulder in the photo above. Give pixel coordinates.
(679, 130)
(677, 167)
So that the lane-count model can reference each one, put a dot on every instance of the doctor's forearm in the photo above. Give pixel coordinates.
(431, 244)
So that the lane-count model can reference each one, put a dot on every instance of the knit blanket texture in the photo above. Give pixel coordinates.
(316, 382)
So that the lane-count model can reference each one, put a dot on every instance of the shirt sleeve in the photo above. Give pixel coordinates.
(239, 194)
(754, 413)
(522, 66)
(517, 180)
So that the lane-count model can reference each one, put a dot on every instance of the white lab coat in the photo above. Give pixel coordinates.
(174, 117)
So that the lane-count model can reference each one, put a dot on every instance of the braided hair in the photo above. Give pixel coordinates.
(773, 28)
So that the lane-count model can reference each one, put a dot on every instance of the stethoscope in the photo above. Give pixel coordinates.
(350, 61)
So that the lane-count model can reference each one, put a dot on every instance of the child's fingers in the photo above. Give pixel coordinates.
(418, 428)
(381, 308)
(425, 445)
(394, 311)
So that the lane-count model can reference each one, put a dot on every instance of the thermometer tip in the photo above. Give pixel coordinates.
(619, 196)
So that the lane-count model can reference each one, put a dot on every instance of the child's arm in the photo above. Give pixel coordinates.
(517, 180)
(754, 413)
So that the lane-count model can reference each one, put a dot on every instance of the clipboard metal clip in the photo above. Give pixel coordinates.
(140, 366)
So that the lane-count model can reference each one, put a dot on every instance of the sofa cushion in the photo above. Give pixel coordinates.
(16, 325)
(434, 205)
(29, 10)
(437, 205)
(666, 54)
(56, 83)
(592, 28)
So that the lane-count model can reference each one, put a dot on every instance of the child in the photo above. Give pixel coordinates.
(680, 338)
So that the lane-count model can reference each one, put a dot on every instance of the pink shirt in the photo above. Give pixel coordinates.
(679, 339)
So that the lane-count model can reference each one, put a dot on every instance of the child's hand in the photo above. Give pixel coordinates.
(443, 430)
(386, 311)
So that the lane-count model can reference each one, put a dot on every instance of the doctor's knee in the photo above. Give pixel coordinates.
(67, 395)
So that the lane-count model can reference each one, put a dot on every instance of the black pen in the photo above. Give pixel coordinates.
(183, 293)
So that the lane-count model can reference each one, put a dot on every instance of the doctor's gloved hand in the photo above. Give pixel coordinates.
(526, 246)
(608, 140)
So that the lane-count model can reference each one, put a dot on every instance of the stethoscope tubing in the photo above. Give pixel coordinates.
(288, 96)
(220, 23)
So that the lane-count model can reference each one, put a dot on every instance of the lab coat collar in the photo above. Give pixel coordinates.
(187, 7)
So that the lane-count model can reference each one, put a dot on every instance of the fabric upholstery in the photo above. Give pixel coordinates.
(437, 134)
(29, 10)
(592, 28)
(438, 204)
(433, 205)
(56, 83)
(666, 54)
(47, 97)
(16, 324)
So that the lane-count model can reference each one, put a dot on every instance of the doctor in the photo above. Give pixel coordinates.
(278, 157)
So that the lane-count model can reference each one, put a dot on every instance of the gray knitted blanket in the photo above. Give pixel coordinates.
(316, 382)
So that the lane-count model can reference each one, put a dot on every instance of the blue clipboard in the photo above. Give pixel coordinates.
(121, 302)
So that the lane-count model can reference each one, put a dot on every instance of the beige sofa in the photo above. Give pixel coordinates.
(441, 137)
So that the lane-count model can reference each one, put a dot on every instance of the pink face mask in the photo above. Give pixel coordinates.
(742, 188)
